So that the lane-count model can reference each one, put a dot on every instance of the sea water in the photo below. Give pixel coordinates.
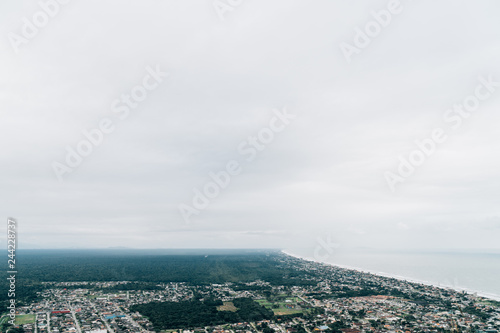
(472, 271)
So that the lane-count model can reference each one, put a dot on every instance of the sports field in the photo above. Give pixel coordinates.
(25, 319)
(283, 305)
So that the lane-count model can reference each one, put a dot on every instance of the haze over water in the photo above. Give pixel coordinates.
(473, 271)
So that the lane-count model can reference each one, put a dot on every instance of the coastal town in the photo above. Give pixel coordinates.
(337, 300)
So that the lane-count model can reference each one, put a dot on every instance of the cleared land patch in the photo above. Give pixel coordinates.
(282, 305)
(227, 306)
(25, 319)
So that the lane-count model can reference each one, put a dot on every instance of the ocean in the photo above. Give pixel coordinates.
(472, 271)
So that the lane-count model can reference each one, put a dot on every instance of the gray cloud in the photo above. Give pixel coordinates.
(323, 174)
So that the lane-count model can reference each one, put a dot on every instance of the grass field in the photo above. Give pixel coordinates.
(227, 306)
(282, 305)
(264, 302)
(25, 319)
(489, 302)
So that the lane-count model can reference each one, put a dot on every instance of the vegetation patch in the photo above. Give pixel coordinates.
(25, 319)
(282, 305)
(171, 315)
(227, 306)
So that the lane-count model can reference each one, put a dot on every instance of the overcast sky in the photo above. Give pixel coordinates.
(355, 104)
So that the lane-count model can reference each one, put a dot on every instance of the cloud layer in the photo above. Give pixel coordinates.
(323, 174)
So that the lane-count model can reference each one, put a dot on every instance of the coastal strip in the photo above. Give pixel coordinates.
(398, 277)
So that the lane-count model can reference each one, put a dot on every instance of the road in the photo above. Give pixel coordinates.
(255, 328)
(306, 301)
(77, 324)
(48, 322)
(135, 323)
(110, 330)
(304, 326)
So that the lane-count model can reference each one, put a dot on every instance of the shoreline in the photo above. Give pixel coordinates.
(485, 295)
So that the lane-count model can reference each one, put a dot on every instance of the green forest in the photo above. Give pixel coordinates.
(147, 268)
(59, 266)
(170, 315)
